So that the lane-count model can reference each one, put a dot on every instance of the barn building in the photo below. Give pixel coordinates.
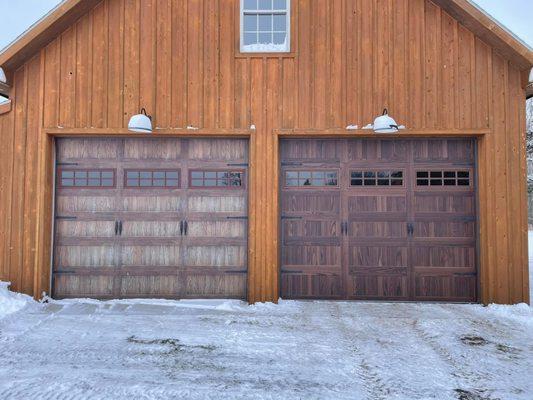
(263, 170)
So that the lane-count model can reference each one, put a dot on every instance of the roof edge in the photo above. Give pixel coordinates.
(43, 32)
(489, 30)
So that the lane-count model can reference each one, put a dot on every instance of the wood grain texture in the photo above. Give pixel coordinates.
(180, 60)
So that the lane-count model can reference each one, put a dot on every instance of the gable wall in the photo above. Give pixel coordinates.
(351, 59)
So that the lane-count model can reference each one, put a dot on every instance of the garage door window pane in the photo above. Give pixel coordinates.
(217, 179)
(443, 178)
(93, 178)
(311, 178)
(166, 179)
(376, 178)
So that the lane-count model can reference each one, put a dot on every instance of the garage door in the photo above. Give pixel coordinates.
(384, 219)
(162, 218)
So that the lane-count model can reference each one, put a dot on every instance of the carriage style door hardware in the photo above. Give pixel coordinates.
(118, 228)
(410, 229)
(184, 227)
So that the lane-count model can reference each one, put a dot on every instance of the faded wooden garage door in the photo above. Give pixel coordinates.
(162, 218)
(386, 219)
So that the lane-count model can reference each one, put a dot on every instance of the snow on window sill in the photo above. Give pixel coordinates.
(265, 48)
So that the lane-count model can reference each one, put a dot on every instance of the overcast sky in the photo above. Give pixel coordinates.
(17, 15)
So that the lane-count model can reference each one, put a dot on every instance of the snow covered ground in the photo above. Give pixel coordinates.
(142, 349)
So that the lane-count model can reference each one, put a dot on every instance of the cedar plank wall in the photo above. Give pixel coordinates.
(180, 60)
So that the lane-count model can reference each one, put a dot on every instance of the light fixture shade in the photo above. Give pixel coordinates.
(141, 123)
(3, 78)
(385, 124)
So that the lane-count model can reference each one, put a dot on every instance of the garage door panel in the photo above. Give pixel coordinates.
(150, 255)
(443, 256)
(311, 230)
(227, 150)
(381, 229)
(67, 204)
(311, 203)
(151, 203)
(310, 257)
(445, 287)
(217, 204)
(377, 151)
(324, 286)
(444, 150)
(85, 229)
(389, 255)
(150, 229)
(88, 149)
(68, 285)
(151, 286)
(215, 256)
(68, 257)
(308, 151)
(454, 230)
(148, 149)
(216, 285)
(444, 203)
(379, 286)
(381, 203)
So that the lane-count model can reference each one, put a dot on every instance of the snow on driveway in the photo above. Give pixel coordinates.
(297, 350)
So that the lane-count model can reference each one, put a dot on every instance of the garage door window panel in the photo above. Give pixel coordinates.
(216, 179)
(309, 178)
(444, 178)
(376, 178)
(152, 179)
(86, 178)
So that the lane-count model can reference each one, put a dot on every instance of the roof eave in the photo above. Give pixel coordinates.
(489, 30)
(43, 32)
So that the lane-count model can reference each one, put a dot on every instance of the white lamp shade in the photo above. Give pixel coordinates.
(385, 124)
(3, 78)
(140, 123)
(531, 76)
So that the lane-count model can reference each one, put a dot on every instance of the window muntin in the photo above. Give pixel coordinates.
(304, 178)
(376, 178)
(212, 179)
(86, 178)
(265, 26)
(168, 178)
(443, 178)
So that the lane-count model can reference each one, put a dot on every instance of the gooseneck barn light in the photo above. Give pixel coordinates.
(385, 124)
(141, 123)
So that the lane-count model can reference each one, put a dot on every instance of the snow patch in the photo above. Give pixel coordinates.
(11, 302)
(265, 48)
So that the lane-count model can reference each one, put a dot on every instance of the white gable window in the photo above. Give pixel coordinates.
(265, 26)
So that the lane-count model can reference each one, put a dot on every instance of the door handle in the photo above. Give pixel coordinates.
(116, 228)
(120, 228)
(410, 229)
(181, 228)
(185, 227)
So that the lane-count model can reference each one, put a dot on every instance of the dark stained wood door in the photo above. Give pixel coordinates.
(133, 218)
(401, 221)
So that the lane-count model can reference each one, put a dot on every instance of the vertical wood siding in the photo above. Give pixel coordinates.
(351, 59)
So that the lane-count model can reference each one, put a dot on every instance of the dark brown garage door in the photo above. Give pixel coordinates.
(162, 218)
(385, 219)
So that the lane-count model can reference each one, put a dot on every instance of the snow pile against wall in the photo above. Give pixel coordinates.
(12, 302)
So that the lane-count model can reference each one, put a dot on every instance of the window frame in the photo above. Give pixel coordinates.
(456, 187)
(204, 170)
(288, 49)
(311, 187)
(125, 177)
(376, 179)
(59, 179)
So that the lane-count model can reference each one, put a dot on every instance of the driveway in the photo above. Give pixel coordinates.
(87, 349)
